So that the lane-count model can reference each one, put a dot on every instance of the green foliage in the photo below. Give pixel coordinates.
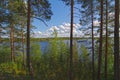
(8, 68)
(84, 64)
(84, 52)
(75, 52)
(4, 54)
(35, 57)
(41, 9)
(18, 6)
(54, 63)
(53, 46)
(110, 60)
(67, 2)
(19, 60)
(35, 52)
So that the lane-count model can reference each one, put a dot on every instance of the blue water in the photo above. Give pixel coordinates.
(87, 43)
(44, 46)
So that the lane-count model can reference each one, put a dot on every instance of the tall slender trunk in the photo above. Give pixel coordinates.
(71, 43)
(106, 40)
(0, 34)
(116, 41)
(28, 38)
(23, 46)
(92, 17)
(12, 42)
(100, 44)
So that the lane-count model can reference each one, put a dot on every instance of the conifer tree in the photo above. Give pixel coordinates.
(116, 41)
(100, 41)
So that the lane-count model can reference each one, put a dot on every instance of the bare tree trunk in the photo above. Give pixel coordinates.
(116, 41)
(106, 40)
(71, 43)
(100, 44)
(0, 34)
(92, 17)
(12, 42)
(23, 46)
(28, 38)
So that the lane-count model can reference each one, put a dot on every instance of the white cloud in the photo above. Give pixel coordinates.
(64, 30)
(36, 34)
(96, 23)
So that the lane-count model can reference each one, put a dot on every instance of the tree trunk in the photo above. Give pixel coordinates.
(23, 46)
(106, 40)
(92, 17)
(100, 42)
(28, 38)
(116, 41)
(71, 43)
(12, 42)
(0, 34)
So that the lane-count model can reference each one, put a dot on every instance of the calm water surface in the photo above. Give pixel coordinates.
(86, 42)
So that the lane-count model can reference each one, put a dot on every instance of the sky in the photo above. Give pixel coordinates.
(60, 21)
(61, 15)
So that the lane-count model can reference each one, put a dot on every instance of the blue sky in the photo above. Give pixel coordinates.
(61, 14)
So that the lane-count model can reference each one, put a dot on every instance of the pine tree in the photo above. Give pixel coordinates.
(116, 41)
(28, 36)
(71, 43)
(101, 40)
(106, 40)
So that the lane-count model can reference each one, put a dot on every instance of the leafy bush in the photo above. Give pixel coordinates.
(8, 68)
(4, 54)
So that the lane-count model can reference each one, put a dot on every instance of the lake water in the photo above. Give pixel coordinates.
(45, 44)
(86, 42)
